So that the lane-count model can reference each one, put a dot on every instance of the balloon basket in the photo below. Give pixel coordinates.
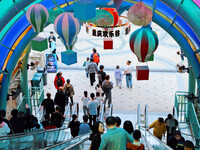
(151, 58)
(69, 57)
(142, 72)
(108, 44)
(39, 44)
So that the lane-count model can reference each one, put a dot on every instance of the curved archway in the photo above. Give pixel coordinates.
(16, 33)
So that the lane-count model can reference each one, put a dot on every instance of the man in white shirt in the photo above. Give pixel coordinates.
(128, 72)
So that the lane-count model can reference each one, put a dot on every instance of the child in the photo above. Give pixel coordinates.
(136, 144)
(118, 76)
(85, 100)
(85, 64)
(99, 89)
(99, 99)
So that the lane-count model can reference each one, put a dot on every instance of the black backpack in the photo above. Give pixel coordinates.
(59, 82)
(67, 91)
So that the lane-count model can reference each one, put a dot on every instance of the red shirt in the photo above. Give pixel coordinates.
(55, 84)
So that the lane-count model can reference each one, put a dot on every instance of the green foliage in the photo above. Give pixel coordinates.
(54, 13)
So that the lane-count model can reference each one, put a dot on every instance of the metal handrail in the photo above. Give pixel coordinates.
(111, 110)
(164, 144)
(69, 140)
(147, 143)
(102, 113)
(138, 117)
(69, 108)
(146, 116)
(19, 135)
(175, 117)
(75, 109)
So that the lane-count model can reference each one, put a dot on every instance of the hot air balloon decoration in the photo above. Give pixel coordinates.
(143, 43)
(37, 15)
(114, 13)
(139, 14)
(68, 27)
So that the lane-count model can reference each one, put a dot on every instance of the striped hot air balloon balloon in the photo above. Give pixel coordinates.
(67, 28)
(37, 15)
(143, 43)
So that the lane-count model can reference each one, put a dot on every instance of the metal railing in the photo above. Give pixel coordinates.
(71, 143)
(102, 113)
(185, 112)
(111, 110)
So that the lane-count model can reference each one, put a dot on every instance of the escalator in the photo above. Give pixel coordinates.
(81, 142)
(43, 138)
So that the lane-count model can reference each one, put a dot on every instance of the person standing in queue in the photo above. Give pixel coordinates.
(128, 72)
(95, 56)
(92, 69)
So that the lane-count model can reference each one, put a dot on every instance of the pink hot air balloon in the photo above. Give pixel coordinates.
(143, 43)
(139, 14)
(37, 15)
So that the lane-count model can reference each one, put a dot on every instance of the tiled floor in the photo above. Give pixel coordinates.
(158, 92)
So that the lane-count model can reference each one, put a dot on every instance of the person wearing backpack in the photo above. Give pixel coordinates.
(95, 56)
(101, 74)
(106, 87)
(61, 99)
(69, 91)
(59, 80)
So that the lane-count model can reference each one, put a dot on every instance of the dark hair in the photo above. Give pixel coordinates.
(117, 67)
(169, 116)
(110, 120)
(107, 77)
(118, 121)
(51, 32)
(176, 133)
(95, 130)
(85, 118)
(74, 116)
(91, 59)
(189, 144)
(57, 108)
(161, 120)
(1, 119)
(136, 134)
(87, 58)
(58, 74)
(21, 114)
(101, 67)
(85, 93)
(97, 94)
(92, 95)
(94, 50)
(3, 113)
(129, 61)
(46, 116)
(68, 81)
(128, 126)
(48, 95)
(14, 113)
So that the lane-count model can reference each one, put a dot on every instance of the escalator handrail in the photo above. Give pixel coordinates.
(76, 144)
(146, 116)
(102, 113)
(75, 109)
(67, 110)
(138, 116)
(164, 144)
(69, 140)
(111, 110)
(19, 135)
(147, 143)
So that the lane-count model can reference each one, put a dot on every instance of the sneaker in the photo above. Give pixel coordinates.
(130, 87)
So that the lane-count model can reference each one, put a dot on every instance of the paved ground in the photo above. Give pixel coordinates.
(158, 92)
